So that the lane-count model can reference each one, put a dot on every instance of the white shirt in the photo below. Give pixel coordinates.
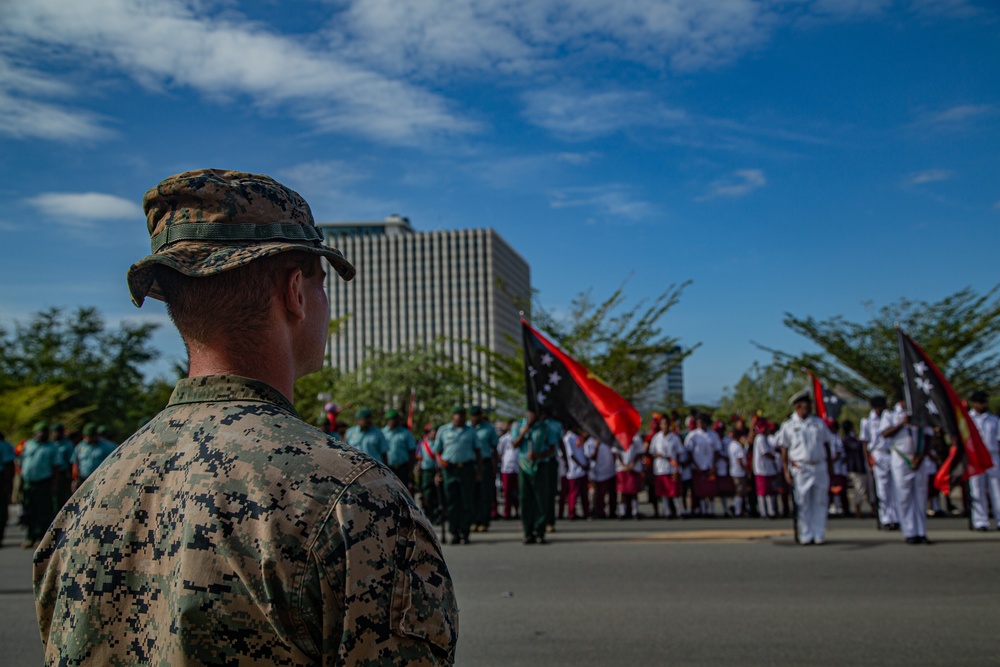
(666, 447)
(722, 449)
(577, 462)
(631, 458)
(604, 465)
(507, 454)
(702, 449)
(737, 455)
(761, 464)
(989, 430)
(901, 441)
(871, 434)
(839, 454)
(804, 439)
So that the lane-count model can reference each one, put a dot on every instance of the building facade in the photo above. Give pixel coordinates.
(668, 390)
(449, 288)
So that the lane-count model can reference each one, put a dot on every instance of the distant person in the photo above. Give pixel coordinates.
(431, 493)
(533, 438)
(486, 488)
(365, 437)
(909, 481)
(765, 470)
(804, 442)
(42, 468)
(985, 489)
(881, 460)
(602, 476)
(7, 458)
(703, 449)
(577, 467)
(856, 459)
(628, 476)
(65, 447)
(90, 453)
(227, 530)
(461, 464)
(507, 454)
(666, 450)
(402, 448)
(739, 469)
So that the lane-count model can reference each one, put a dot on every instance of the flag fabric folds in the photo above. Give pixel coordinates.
(572, 394)
(931, 401)
(828, 405)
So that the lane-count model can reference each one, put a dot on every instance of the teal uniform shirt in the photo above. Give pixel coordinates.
(39, 461)
(555, 434)
(401, 445)
(538, 439)
(456, 445)
(486, 439)
(88, 456)
(370, 441)
(427, 460)
(65, 448)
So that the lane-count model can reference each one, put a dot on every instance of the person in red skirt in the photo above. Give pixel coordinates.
(666, 450)
(602, 474)
(577, 465)
(703, 451)
(628, 473)
(723, 482)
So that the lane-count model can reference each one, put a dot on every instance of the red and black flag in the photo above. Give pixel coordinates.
(931, 401)
(828, 404)
(569, 392)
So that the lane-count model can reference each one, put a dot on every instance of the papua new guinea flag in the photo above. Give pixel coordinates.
(931, 401)
(572, 394)
(828, 404)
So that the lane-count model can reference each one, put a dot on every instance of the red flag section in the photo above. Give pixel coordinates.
(556, 382)
(818, 399)
(931, 401)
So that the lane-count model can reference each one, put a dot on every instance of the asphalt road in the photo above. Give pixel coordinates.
(700, 592)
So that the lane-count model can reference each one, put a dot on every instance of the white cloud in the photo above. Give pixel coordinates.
(929, 176)
(585, 115)
(954, 118)
(743, 182)
(612, 200)
(26, 109)
(83, 209)
(577, 159)
(167, 44)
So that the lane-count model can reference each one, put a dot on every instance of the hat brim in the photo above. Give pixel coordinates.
(199, 260)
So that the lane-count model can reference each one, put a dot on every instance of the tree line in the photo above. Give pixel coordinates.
(74, 368)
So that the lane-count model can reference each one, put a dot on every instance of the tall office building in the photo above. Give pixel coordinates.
(414, 288)
(667, 391)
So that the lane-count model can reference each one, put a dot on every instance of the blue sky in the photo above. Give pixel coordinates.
(804, 156)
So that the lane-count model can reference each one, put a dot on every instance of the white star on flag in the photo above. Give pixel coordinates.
(920, 367)
(531, 371)
(554, 377)
(924, 384)
(548, 388)
(547, 359)
(932, 408)
(541, 397)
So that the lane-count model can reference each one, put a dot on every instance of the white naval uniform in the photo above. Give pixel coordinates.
(807, 442)
(910, 485)
(871, 435)
(986, 485)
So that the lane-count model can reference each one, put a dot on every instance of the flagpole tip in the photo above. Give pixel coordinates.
(895, 324)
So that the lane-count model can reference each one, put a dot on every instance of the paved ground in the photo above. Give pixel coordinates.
(692, 593)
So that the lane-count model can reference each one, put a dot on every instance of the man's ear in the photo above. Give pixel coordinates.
(293, 294)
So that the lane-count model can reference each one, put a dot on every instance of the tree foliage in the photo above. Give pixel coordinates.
(624, 345)
(960, 333)
(82, 369)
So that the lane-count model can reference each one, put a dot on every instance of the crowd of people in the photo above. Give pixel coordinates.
(470, 472)
(41, 473)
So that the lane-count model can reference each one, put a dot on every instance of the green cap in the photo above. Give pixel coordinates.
(363, 413)
(90, 429)
(458, 408)
(208, 221)
(475, 410)
(391, 414)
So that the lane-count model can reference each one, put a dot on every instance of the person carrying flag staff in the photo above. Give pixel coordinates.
(910, 482)
(985, 487)
(533, 438)
(804, 441)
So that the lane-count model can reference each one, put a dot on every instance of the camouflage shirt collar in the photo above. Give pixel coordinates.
(221, 388)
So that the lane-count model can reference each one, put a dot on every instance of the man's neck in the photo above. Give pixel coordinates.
(269, 369)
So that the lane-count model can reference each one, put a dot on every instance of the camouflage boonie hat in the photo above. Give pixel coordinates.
(208, 221)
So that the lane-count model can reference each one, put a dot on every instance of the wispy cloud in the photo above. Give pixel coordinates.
(168, 44)
(928, 176)
(741, 183)
(615, 200)
(83, 209)
(27, 109)
(954, 118)
(581, 115)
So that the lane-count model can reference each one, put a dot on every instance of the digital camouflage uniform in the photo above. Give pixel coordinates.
(227, 531)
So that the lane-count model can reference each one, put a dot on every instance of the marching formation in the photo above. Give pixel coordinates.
(469, 472)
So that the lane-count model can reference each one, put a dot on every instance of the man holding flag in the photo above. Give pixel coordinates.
(986, 486)
(910, 484)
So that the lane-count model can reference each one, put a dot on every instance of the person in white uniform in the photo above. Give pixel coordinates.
(804, 441)
(909, 480)
(666, 450)
(738, 467)
(986, 486)
(765, 469)
(878, 448)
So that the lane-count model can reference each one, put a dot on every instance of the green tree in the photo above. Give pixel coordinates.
(98, 370)
(959, 332)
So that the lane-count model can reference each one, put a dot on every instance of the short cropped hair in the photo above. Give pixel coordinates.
(231, 307)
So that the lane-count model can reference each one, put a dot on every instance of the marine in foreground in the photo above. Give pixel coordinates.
(227, 530)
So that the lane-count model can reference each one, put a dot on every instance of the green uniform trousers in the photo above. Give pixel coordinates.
(459, 494)
(535, 494)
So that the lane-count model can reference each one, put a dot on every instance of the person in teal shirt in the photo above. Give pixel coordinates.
(532, 436)
(555, 439)
(366, 438)
(41, 468)
(402, 448)
(65, 448)
(486, 488)
(461, 467)
(431, 494)
(91, 452)
(7, 458)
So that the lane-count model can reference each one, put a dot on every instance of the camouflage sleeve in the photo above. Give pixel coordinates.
(380, 592)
